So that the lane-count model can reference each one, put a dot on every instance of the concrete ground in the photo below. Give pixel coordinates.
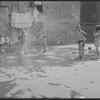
(58, 73)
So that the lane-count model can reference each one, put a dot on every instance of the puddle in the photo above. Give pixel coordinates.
(5, 87)
(91, 81)
(66, 86)
(41, 61)
(54, 84)
(43, 96)
(40, 75)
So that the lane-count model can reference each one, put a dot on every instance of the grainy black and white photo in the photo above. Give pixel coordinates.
(49, 49)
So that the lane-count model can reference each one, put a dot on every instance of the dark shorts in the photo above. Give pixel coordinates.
(81, 41)
(1, 45)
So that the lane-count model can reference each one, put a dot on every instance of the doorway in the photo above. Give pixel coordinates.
(88, 19)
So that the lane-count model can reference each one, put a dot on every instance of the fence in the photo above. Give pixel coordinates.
(64, 33)
(61, 33)
(58, 33)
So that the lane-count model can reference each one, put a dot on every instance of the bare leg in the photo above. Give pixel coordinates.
(97, 50)
(81, 50)
(96, 42)
(44, 46)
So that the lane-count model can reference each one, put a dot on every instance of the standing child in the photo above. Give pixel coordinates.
(2, 41)
(7, 38)
(97, 39)
(43, 42)
(81, 41)
(23, 42)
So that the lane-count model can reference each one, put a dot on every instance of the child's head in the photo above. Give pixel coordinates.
(44, 36)
(41, 33)
(97, 28)
(78, 27)
(89, 48)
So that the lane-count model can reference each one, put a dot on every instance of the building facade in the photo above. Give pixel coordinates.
(90, 17)
(59, 18)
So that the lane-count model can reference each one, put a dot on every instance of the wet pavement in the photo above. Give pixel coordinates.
(56, 73)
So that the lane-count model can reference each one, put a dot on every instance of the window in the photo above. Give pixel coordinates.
(87, 12)
(38, 2)
(31, 4)
(39, 5)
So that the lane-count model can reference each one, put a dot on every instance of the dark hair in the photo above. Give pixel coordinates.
(97, 28)
(44, 36)
(89, 48)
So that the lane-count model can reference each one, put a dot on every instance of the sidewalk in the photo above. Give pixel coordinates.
(53, 74)
(76, 46)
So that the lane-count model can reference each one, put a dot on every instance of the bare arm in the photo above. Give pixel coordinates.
(97, 34)
(26, 33)
(94, 33)
(83, 32)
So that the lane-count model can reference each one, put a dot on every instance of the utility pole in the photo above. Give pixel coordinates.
(0, 3)
(47, 32)
(65, 33)
(10, 11)
(18, 5)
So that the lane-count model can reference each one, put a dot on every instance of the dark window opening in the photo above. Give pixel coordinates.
(31, 4)
(39, 8)
(88, 15)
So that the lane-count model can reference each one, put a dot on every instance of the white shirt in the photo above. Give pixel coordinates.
(2, 40)
(80, 35)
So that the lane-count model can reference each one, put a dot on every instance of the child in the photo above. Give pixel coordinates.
(23, 42)
(81, 41)
(90, 51)
(43, 42)
(7, 38)
(97, 39)
(2, 41)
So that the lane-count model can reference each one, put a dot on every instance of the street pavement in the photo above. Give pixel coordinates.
(57, 73)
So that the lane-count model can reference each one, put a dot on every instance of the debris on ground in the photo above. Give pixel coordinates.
(75, 94)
